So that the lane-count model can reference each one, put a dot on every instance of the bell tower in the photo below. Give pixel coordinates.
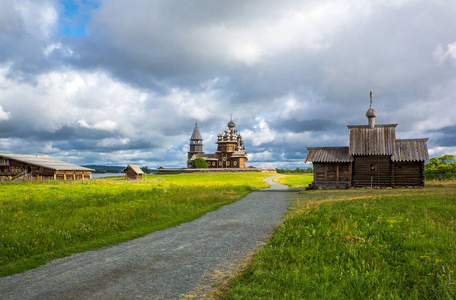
(196, 143)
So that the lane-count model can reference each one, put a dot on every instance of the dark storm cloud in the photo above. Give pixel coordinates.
(119, 80)
(446, 136)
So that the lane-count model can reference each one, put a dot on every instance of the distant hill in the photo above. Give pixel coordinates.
(105, 169)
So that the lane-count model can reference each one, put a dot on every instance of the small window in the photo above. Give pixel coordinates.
(373, 167)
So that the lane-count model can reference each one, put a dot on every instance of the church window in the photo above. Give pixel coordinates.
(220, 163)
(227, 163)
(235, 163)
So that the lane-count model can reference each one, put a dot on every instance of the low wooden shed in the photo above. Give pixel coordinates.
(133, 172)
(36, 167)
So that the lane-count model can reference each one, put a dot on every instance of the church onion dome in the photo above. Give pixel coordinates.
(231, 124)
(371, 113)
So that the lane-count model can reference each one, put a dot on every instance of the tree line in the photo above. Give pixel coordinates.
(296, 171)
(443, 167)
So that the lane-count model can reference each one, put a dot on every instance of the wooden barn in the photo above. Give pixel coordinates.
(374, 158)
(133, 172)
(35, 167)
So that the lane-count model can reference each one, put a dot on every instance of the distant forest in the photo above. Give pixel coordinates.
(116, 169)
(296, 171)
(105, 169)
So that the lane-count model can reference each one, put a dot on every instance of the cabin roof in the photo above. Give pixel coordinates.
(135, 168)
(328, 155)
(45, 162)
(411, 150)
(379, 140)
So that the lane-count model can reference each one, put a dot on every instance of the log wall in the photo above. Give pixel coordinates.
(363, 176)
(332, 174)
(408, 173)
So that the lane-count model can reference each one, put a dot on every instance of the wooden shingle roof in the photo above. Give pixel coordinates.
(45, 162)
(411, 150)
(328, 155)
(135, 168)
(379, 140)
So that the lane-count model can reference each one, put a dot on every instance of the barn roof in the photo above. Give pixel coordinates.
(411, 150)
(45, 162)
(328, 154)
(379, 140)
(135, 168)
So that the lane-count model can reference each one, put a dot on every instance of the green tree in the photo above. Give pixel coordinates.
(145, 169)
(199, 163)
(443, 167)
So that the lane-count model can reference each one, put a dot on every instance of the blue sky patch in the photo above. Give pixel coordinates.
(75, 15)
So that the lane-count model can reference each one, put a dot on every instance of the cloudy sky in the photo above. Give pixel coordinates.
(116, 82)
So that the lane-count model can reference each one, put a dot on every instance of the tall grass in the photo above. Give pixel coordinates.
(40, 221)
(388, 244)
(295, 180)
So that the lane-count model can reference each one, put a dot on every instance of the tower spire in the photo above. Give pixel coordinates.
(370, 98)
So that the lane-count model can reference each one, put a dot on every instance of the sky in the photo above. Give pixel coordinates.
(113, 82)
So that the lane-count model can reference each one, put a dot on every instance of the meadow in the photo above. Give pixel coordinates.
(295, 180)
(40, 221)
(358, 244)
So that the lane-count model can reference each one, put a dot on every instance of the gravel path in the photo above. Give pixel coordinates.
(183, 261)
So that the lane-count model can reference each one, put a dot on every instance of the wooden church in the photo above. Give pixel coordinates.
(373, 158)
(230, 149)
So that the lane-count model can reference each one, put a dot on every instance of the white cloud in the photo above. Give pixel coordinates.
(442, 55)
(260, 134)
(39, 17)
(4, 115)
(57, 47)
(102, 125)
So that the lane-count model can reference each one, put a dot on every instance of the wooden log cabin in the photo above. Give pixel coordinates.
(34, 167)
(374, 158)
(133, 172)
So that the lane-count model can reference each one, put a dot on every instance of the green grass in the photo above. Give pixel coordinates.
(295, 180)
(40, 221)
(359, 244)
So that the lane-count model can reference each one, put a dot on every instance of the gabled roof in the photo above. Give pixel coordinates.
(196, 133)
(411, 150)
(210, 157)
(135, 168)
(328, 154)
(379, 140)
(45, 162)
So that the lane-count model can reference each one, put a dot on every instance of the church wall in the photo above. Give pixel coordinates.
(375, 170)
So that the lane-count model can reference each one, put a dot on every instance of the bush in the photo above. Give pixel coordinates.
(200, 163)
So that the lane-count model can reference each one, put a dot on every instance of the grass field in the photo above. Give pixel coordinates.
(40, 221)
(359, 244)
(295, 180)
